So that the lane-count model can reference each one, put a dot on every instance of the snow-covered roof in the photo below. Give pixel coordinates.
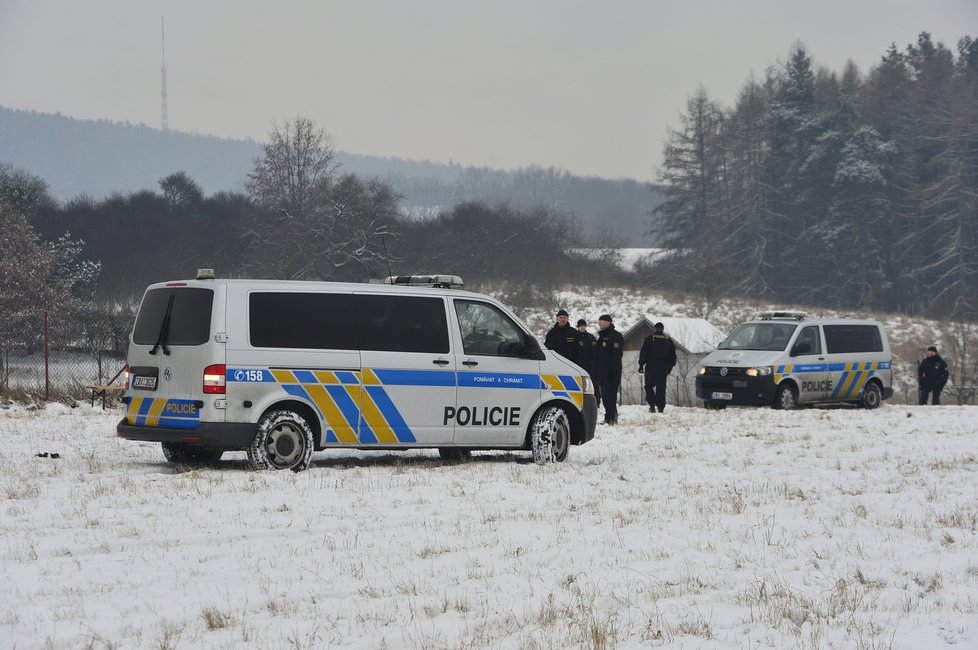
(695, 335)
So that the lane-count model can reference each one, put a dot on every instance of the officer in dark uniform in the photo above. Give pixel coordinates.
(932, 375)
(607, 366)
(562, 338)
(585, 348)
(657, 359)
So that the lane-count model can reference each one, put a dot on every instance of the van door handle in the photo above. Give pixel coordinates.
(441, 362)
(470, 363)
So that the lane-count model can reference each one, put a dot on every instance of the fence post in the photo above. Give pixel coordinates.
(98, 356)
(47, 383)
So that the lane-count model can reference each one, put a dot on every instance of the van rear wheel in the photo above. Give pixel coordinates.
(192, 455)
(872, 397)
(785, 399)
(283, 440)
(550, 436)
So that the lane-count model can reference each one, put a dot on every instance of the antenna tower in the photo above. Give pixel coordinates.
(164, 124)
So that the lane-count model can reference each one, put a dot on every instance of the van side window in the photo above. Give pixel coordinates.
(852, 338)
(189, 322)
(402, 323)
(319, 321)
(810, 336)
(487, 331)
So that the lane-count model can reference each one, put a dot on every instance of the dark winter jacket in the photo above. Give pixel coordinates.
(585, 351)
(658, 354)
(933, 372)
(607, 354)
(563, 341)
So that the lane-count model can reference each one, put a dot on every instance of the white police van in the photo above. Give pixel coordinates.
(281, 369)
(784, 359)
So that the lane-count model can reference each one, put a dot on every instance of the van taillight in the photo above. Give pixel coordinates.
(214, 378)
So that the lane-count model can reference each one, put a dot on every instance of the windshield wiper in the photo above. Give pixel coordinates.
(164, 327)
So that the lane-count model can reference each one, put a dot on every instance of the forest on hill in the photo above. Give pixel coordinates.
(844, 189)
(98, 158)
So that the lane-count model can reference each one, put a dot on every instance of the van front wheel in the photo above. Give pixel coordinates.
(785, 399)
(872, 398)
(550, 436)
(283, 441)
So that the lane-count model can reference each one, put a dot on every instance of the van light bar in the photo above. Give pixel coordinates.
(435, 281)
(215, 378)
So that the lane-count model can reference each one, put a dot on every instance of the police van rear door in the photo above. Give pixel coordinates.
(408, 369)
(855, 351)
(177, 369)
(498, 386)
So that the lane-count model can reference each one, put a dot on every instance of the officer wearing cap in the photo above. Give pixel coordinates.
(585, 348)
(932, 375)
(657, 359)
(562, 338)
(607, 366)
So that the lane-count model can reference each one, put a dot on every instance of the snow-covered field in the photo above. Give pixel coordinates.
(828, 528)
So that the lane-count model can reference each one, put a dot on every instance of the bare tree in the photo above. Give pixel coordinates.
(314, 226)
(295, 170)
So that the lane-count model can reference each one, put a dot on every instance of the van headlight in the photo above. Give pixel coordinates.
(761, 371)
(586, 384)
(702, 370)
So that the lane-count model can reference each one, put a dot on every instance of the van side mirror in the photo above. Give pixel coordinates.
(531, 350)
(801, 348)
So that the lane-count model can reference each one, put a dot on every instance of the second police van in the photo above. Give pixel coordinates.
(784, 359)
(283, 368)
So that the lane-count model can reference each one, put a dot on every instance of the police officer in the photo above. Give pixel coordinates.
(657, 359)
(562, 338)
(932, 375)
(585, 348)
(607, 366)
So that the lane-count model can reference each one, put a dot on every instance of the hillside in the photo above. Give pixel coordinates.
(98, 158)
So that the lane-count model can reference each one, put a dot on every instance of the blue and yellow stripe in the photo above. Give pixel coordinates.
(356, 408)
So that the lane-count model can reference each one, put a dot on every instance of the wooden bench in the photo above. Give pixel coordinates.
(103, 391)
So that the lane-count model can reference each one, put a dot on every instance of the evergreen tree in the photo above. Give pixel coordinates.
(694, 211)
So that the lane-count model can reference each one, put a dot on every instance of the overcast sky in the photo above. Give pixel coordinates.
(586, 86)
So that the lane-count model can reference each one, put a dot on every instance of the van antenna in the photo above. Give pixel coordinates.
(387, 257)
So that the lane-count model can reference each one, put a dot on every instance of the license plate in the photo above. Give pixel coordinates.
(721, 395)
(146, 383)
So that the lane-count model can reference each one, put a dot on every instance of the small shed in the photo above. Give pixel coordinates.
(694, 339)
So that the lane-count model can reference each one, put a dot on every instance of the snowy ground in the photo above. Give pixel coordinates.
(830, 528)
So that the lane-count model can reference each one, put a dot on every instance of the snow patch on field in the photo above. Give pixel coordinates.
(732, 529)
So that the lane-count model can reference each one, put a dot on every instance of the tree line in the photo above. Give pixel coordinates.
(101, 157)
(300, 218)
(846, 190)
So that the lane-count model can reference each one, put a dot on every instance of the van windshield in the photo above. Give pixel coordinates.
(189, 322)
(770, 337)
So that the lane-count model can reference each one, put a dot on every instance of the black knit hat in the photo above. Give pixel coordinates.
(581, 321)
(562, 312)
(932, 349)
(659, 327)
(606, 317)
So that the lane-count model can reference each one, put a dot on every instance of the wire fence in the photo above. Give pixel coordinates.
(68, 372)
